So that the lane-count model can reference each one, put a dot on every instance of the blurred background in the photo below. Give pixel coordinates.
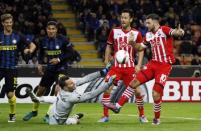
(87, 24)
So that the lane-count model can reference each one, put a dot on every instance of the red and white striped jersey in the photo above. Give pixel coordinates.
(119, 39)
(161, 45)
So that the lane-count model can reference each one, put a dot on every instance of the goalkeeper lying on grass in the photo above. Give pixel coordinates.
(63, 103)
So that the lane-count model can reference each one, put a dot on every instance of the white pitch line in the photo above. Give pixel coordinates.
(176, 117)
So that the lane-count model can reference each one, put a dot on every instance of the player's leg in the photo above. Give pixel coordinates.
(11, 83)
(56, 90)
(161, 74)
(106, 95)
(138, 95)
(142, 77)
(105, 99)
(53, 121)
(46, 82)
(140, 105)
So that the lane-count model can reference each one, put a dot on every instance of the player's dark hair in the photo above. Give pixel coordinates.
(52, 23)
(153, 17)
(5, 17)
(62, 80)
(129, 11)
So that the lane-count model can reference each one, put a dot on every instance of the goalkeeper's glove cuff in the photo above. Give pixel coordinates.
(103, 72)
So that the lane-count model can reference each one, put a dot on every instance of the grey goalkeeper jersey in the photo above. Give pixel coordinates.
(66, 100)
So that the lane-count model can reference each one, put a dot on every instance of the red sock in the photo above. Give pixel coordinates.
(105, 99)
(157, 109)
(140, 105)
(128, 93)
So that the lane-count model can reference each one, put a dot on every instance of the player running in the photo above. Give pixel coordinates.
(68, 96)
(161, 41)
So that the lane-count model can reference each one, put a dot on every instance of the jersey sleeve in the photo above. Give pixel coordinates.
(23, 41)
(93, 93)
(110, 39)
(139, 38)
(88, 78)
(67, 49)
(167, 30)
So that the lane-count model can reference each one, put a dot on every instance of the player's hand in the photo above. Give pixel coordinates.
(40, 69)
(137, 68)
(180, 31)
(109, 64)
(27, 51)
(54, 61)
(131, 38)
(107, 60)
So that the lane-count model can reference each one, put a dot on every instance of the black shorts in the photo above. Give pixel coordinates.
(50, 77)
(10, 76)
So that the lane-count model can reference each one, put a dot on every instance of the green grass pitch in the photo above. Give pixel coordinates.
(174, 117)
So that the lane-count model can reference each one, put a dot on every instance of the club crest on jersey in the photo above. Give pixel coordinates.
(14, 41)
(123, 44)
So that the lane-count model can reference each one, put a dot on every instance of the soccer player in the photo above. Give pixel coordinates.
(56, 50)
(161, 41)
(68, 96)
(11, 43)
(119, 39)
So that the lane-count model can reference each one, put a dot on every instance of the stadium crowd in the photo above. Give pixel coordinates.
(30, 18)
(97, 17)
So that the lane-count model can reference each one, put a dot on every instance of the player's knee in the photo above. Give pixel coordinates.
(138, 91)
(156, 95)
(134, 84)
(10, 95)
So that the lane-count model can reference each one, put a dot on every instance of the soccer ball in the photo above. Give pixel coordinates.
(122, 56)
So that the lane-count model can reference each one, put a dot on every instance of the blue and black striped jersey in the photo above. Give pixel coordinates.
(10, 46)
(58, 47)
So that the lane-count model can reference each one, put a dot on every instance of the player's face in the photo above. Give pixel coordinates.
(150, 24)
(70, 85)
(125, 20)
(8, 24)
(51, 30)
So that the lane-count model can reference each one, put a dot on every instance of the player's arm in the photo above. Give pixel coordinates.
(140, 60)
(41, 54)
(108, 53)
(88, 78)
(94, 93)
(66, 52)
(109, 48)
(29, 46)
(177, 32)
(93, 76)
(138, 44)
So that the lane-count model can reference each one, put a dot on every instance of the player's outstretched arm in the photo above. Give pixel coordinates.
(88, 78)
(93, 76)
(94, 93)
